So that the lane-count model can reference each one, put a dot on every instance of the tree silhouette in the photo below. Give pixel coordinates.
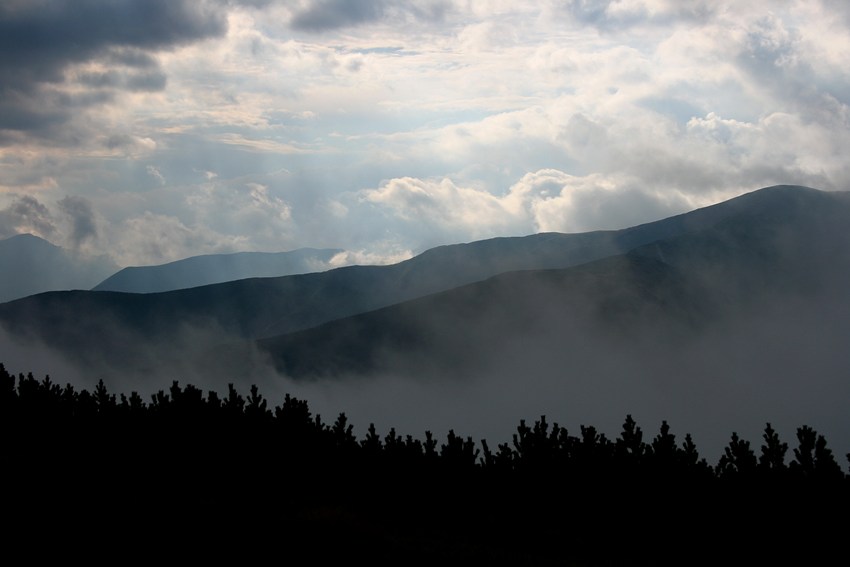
(738, 459)
(630, 448)
(544, 498)
(772, 458)
(812, 458)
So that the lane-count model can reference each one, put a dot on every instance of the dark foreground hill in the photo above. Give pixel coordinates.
(217, 268)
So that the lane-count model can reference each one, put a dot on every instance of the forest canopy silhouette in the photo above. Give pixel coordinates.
(235, 463)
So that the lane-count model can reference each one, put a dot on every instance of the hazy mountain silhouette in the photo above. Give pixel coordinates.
(217, 268)
(780, 244)
(31, 265)
(741, 322)
(682, 273)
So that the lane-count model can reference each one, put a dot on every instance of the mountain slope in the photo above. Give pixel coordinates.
(787, 243)
(216, 268)
(32, 265)
(117, 330)
(718, 330)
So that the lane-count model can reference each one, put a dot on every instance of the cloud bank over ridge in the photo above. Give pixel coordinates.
(154, 131)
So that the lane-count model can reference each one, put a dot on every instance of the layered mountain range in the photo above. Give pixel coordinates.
(739, 309)
(31, 265)
(217, 268)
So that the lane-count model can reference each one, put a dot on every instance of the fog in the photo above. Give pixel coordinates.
(717, 331)
(785, 365)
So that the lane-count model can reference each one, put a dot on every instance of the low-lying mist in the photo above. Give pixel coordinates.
(782, 362)
(787, 367)
(720, 330)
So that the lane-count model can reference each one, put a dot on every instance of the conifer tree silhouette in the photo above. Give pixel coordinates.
(343, 434)
(663, 448)
(772, 458)
(812, 458)
(372, 444)
(738, 459)
(630, 447)
(458, 453)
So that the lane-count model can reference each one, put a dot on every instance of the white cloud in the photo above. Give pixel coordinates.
(156, 174)
(368, 258)
(543, 201)
(440, 122)
(440, 207)
(156, 239)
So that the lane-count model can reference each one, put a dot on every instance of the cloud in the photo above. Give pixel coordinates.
(156, 174)
(440, 211)
(368, 258)
(372, 128)
(610, 15)
(45, 51)
(83, 222)
(151, 238)
(322, 15)
(326, 15)
(27, 215)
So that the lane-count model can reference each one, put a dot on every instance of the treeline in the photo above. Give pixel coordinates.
(235, 464)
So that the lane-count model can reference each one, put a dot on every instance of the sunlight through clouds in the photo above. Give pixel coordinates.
(448, 121)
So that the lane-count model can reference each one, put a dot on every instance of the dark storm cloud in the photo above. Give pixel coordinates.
(40, 40)
(26, 215)
(131, 57)
(153, 80)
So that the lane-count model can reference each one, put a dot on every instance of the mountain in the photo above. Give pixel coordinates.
(216, 268)
(738, 312)
(783, 243)
(266, 307)
(119, 329)
(720, 329)
(32, 265)
(112, 330)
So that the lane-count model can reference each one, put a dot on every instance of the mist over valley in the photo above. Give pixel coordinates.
(716, 320)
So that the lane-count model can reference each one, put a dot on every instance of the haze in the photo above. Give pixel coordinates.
(144, 132)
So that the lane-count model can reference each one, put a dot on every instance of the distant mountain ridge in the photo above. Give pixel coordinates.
(217, 268)
(742, 322)
(266, 307)
(111, 328)
(781, 240)
(733, 314)
(31, 265)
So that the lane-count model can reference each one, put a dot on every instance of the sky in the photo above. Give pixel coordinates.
(153, 130)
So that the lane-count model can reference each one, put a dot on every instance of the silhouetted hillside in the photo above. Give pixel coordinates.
(104, 326)
(780, 245)
(746, 318)
(216, 268)
(32, 265)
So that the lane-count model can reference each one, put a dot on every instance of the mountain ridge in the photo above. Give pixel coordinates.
(700, 254)
(258, 308)
(32, 265)
(208, 269)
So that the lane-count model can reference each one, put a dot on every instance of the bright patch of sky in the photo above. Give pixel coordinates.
(168, 129)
